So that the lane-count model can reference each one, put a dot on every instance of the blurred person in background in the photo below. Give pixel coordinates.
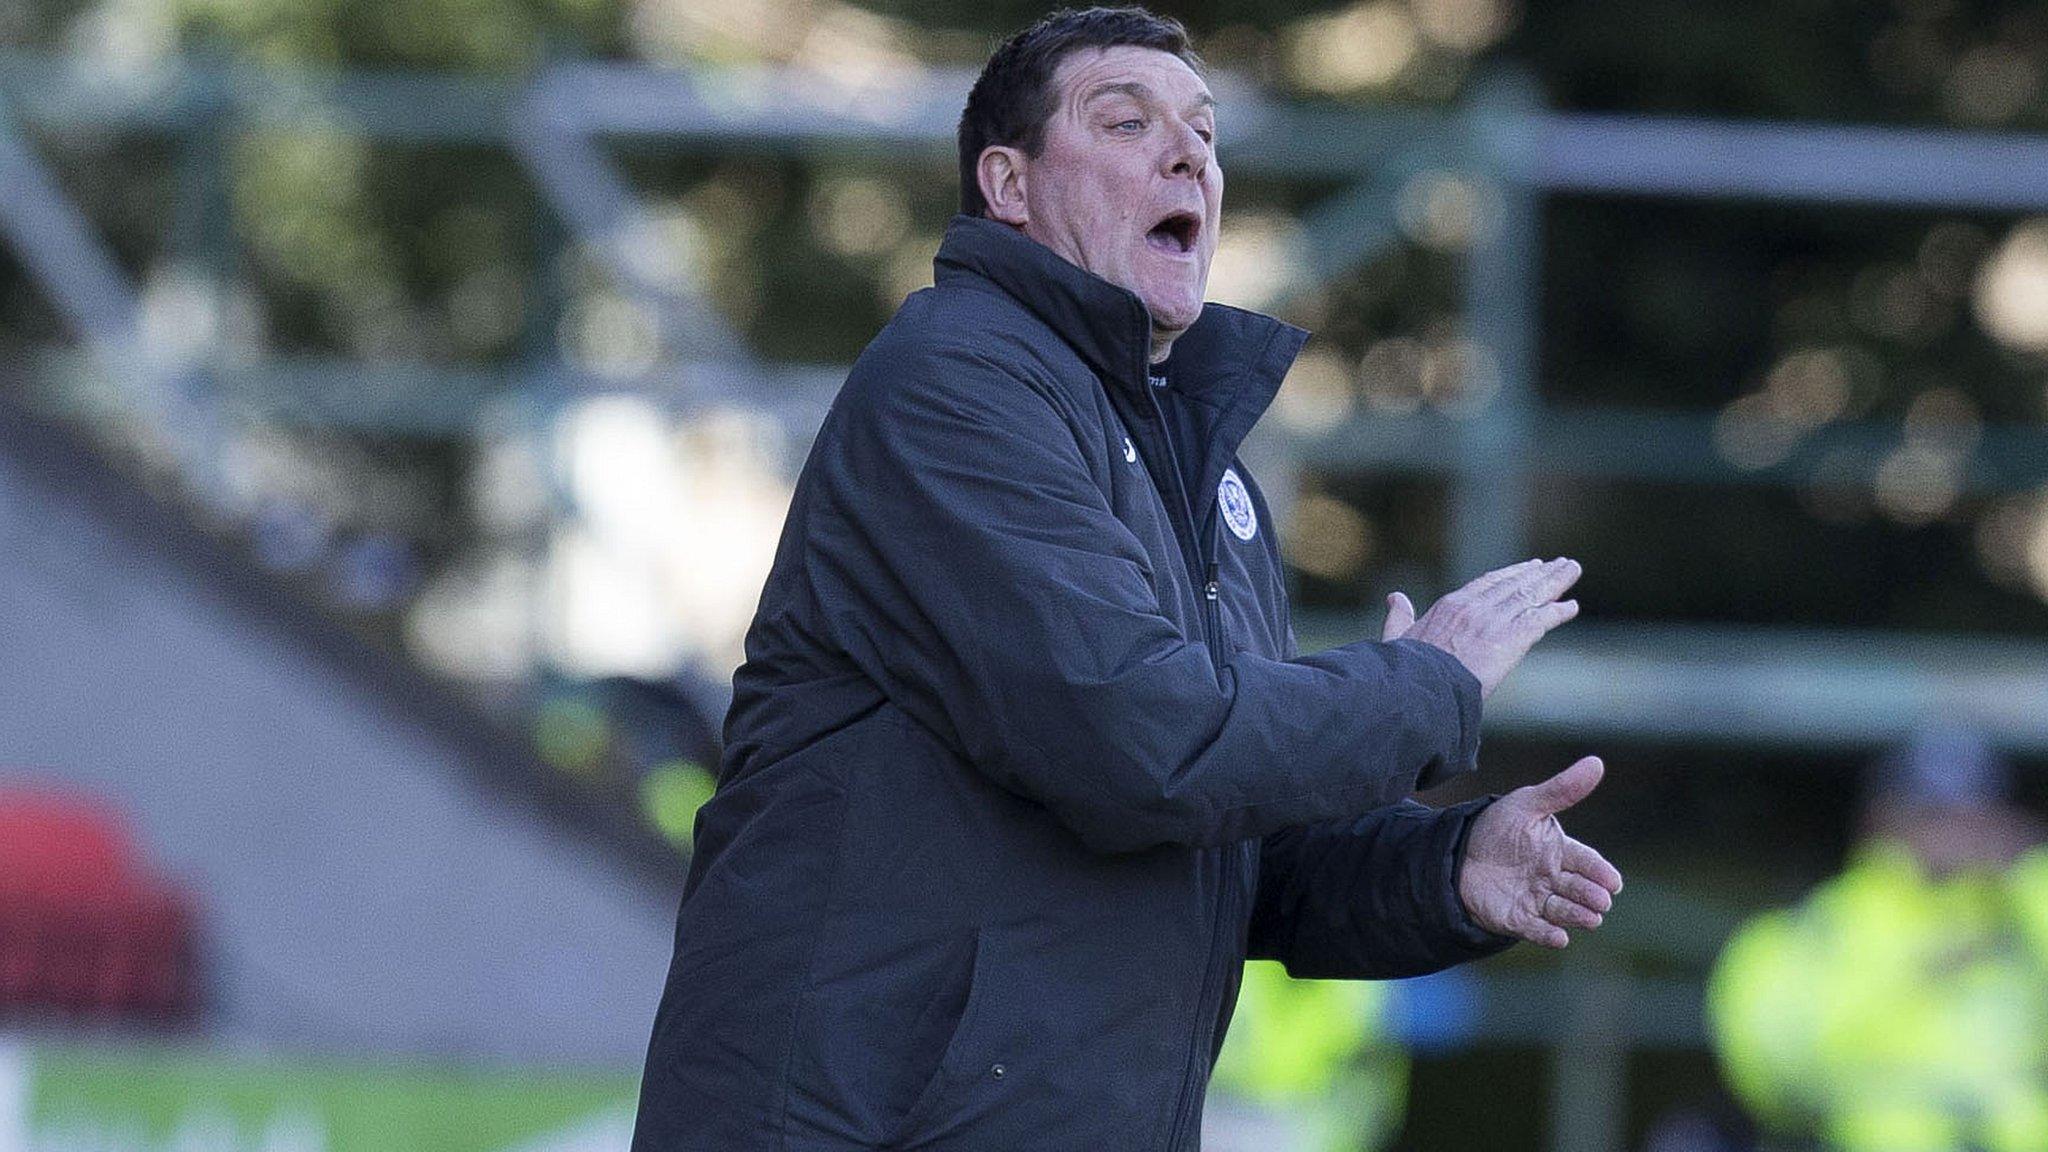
(1023, 761)
(1903, 1005)
(1308, 1066)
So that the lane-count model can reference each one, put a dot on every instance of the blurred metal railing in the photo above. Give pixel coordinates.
(1514, 151)
(1809, 689)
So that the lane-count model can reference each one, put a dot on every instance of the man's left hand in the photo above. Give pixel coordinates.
(1523, 876)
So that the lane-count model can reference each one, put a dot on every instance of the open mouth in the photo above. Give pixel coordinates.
(1176, 233)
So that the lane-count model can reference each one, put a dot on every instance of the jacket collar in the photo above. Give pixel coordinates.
(1229, 358)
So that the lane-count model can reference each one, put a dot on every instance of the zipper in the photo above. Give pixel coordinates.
(1206, 1009)
(1206, 569)
(1213, 593)
(1201, 565)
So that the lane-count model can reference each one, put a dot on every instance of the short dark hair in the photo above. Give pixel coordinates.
(1013, 98)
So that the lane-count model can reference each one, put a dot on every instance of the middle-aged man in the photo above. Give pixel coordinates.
(1023, 762)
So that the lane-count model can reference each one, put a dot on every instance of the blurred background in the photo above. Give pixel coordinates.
(399, 400)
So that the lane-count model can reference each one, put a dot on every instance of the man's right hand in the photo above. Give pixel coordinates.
(1491, 623)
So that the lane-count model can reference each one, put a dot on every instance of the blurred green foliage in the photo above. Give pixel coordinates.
(485, 36)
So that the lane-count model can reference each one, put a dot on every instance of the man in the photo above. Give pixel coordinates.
(1022, 762)
(1903, 1006)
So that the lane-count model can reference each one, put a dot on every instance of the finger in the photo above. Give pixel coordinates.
(1499, 576)
(1569, 913)
(1547, 616)
(1545, 933)
(1586, 862)
(1400, 617)
(1539, 585)
(1567, 787)
(1556, 577)
(1582, 890)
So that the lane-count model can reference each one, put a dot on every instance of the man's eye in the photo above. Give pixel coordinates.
(1207, 136)
(1129, 125)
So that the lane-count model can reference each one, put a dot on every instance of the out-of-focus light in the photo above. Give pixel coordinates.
(615, 452)
(1751, 437)
(909, 268)
(607, 611)
(1460, 377)
(1440, 209)
(1328, 538)
(719, 556)
(2012, 542)
(670, 795)
(124, 36)
(859, 215)
(1465, 26)
(181, 313)
(1254, 260)
(2012, 288)
(2037, 550)
(1317, 394)
(664, 246)
(610, 335)
(2002, 536)
(1807, 388)
(570, 734)
(1917, 483)
(1990, 85)
(735, 202)
(1391, 373)
(1363, 46)
(863, 53)
(476, 622)
(508, 485)
(1944, 418)
(726, 31)
(677, 532)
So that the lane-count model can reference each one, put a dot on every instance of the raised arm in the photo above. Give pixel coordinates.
(972, 566)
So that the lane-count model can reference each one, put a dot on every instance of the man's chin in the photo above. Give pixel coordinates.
(1172, 317)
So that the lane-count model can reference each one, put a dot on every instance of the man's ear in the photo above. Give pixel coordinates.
(1001, 172)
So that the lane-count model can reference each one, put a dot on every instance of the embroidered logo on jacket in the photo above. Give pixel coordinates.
(1236, 504)
(1130, 451)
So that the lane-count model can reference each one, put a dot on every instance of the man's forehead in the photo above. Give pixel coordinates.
(1130, 69)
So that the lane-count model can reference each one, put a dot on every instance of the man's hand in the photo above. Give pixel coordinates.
(1491, 623)
(1523, 876)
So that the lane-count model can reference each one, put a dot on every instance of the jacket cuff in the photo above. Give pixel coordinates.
(1462, 689)
(1456, 921)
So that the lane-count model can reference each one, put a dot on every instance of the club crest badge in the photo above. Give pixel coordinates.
(1236, 505)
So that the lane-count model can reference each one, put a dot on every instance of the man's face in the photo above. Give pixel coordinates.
(1127, 184)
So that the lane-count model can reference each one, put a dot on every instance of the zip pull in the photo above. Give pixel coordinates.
(1212, 589)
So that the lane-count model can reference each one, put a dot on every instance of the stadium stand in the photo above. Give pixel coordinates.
(360, 837)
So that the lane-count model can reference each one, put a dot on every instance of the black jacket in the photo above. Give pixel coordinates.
(1023, 763)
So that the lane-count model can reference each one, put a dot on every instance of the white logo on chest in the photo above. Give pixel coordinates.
(1130, 451)
(1236, 506)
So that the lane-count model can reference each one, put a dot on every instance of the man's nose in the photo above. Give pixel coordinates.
(1187, 154)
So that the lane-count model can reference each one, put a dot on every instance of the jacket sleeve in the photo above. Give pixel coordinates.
(967, 560)
(1369, 898)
